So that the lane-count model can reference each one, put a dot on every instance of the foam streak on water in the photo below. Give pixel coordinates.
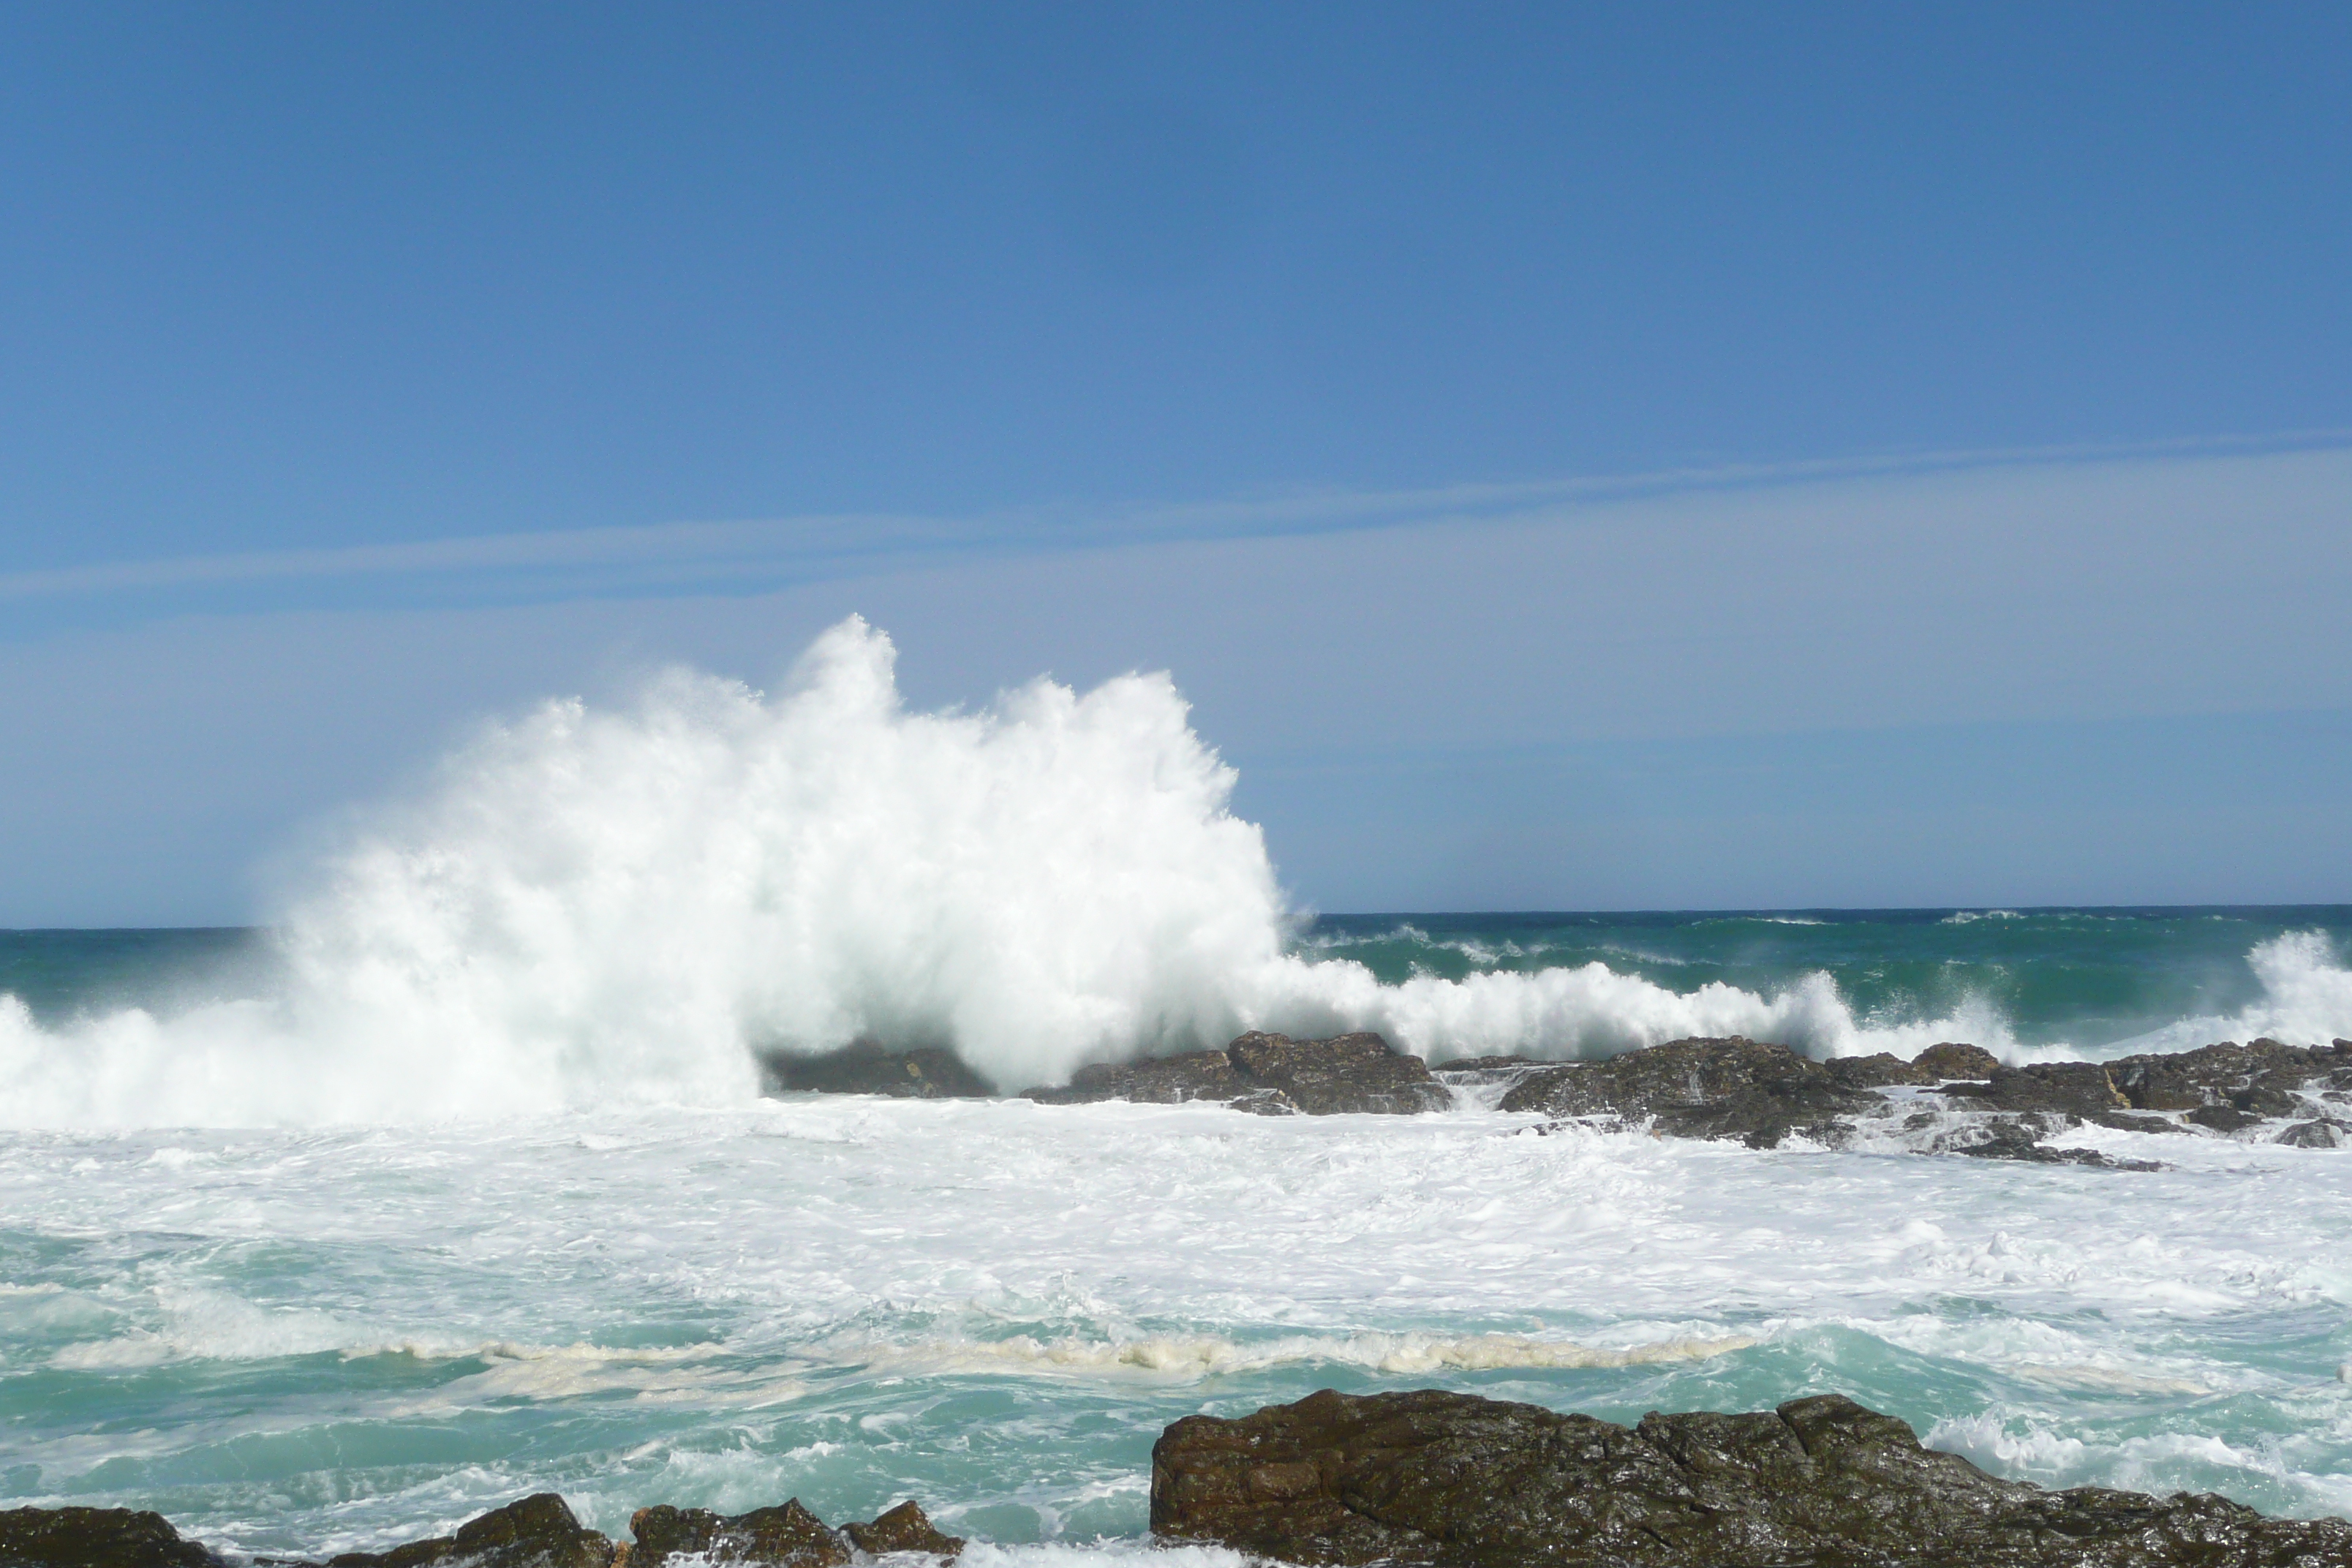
(329, 1339)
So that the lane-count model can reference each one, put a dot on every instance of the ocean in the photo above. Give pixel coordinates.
(455, 1180)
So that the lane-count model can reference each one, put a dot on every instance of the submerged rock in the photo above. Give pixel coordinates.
(863, 1067)
(786, 1537)
(540, 1531)
(1272, 1074)
(906, 1527)
(95, 1538)
(2019, 1138)
(2322, 1133)
(1434, 1477)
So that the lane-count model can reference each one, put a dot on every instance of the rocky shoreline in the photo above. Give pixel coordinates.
(537, 1531)
(1428, 1478)
(1950, 1098)
(1453, 1480)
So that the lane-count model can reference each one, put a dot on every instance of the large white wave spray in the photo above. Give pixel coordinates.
(598, 906)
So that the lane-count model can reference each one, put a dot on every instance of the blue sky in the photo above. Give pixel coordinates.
(1572, 457)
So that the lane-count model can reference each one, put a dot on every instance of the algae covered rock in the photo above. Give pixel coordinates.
(788, 1536)
(906, 1527)
(95, 1538)
(540, 1531)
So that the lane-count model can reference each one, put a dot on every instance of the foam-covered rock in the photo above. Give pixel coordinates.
(864, 1066)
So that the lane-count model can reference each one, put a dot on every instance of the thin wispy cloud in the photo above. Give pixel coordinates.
(758, 554)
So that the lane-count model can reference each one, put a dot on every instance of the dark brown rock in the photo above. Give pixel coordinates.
(1154, 1080)
(786, 1537)
(2259, 1080)
(2322, 1132)
(95, 1538)
(1950, 1060)
(1271, 1074)
(864, 1067)
(902, 1529)
(1733, 1088)
(1359, 1072)
(1879, 1071)
(1434, 1477)
(540, 1531)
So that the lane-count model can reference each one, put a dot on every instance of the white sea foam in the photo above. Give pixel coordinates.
(591, 907)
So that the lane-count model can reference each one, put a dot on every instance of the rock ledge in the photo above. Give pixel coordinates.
(1453, 1480)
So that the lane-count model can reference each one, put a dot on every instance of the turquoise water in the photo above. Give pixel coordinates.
(333, 1333)
(2092, 977)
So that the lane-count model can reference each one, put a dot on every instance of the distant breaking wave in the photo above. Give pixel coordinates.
(592, 906)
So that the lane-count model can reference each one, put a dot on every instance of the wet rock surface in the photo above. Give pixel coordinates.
(1732, 1088)
(1951, 1098)
(864, 1067)
(540, 1531)
(95, 1538)
(1434, 1477)
(902, 1529)
(1271, 1074)
(789, 1536)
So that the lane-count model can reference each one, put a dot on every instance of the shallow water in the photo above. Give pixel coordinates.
(335, 1339)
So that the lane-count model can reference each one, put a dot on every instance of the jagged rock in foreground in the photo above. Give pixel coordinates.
(906, 1527)
(1272, 1074)
(786, 1537)
(790, 1536)
(95, 1538)
(863, 1067)
(540, 1531)
(1433, 1477)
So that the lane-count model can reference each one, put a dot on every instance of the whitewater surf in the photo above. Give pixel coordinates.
(455, 1180)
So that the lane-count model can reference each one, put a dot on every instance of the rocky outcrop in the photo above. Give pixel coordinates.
(1434, 1477)
(2260, 1080)
(540, 1531)
(1271, 1074)
(863, 1067)
(1154, 1080)
(903, 1529)
(95, 1538)
(1735, 1087)
(1948, 1099)
(786, 1537)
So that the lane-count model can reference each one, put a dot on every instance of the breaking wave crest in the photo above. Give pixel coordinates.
(593, 906)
